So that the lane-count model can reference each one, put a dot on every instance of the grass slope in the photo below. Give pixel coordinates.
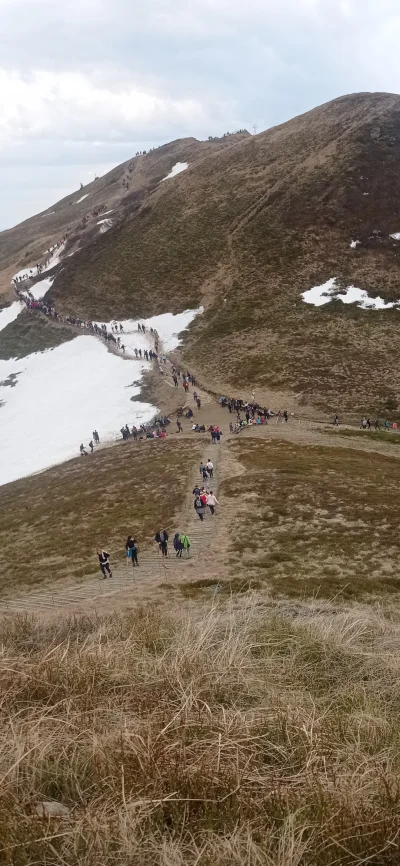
(31, 333)
(223, 738)
(51, 524)
(315, 521)
(122, 190)
(246, 231)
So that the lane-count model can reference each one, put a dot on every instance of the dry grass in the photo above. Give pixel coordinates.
(52, 523)
(312, 520)
(232, 737)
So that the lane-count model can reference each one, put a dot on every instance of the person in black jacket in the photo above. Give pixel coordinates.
(162, 541)
(132, 550)
(104, 560)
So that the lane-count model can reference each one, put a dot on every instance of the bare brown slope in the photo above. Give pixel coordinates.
(123, 189)
(245, 231)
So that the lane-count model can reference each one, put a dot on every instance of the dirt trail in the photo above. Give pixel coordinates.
(155, 578)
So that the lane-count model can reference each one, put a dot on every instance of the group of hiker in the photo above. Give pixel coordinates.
(94, 441)
(181, 543)
(41, 266)
(204, 497)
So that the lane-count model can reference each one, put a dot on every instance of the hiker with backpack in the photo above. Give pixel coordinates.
(132, 550)
(162, 540)
(199, 507)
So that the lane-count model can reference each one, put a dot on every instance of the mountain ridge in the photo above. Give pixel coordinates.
(245, 231)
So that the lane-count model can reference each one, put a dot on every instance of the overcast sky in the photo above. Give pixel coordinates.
(85, 83)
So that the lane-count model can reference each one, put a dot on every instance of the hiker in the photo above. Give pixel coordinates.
(387, 426)
(212, 501)
(96, 437)
(369, 423)
(203, 497)
(178, 546)
(199, 507)
(201, 468)
(230, 427)
(162, 540)
(210, 468)
(377, 424)
(185, 542)
(195, 396)
(196, 491)
(82, 450)
(91, 446)
(285, 415)
(205, 475)
(335, 421)
(132, 550)
(198, 401)
(179, 426)
(104, 561)
(364, 422)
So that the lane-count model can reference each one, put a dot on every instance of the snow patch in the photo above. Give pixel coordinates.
(167, 325)
(354, 244)
(320, 295)
(48, 214)
(396, 236)
(176, 169)
(39, 289)
(9, 314)
(82, 198)
(69, 391)
(65, 393)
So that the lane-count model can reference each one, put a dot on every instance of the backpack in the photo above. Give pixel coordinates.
(198, 503)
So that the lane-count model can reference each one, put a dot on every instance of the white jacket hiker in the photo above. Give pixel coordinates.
(212, 501)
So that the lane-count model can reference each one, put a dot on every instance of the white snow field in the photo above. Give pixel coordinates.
(59, 397)
(51, 401)
(320, 295)
(167, 325)
(9, 314)
(176, 169)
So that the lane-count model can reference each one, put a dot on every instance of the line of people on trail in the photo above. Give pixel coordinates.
(181, 543)
(368, 424)
(43, 306)
(204, 497)
(41, 266)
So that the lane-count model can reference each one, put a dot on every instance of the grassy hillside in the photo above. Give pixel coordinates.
(51, 524)
(123, 190)
(314, 521)
(31, 333)
(245, 231)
